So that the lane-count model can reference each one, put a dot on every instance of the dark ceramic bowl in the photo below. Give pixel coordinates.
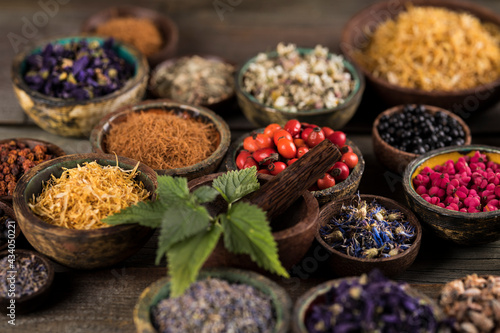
(76, 118)
(341, 190)
(166, 27)
(28, 303)
(459, 227)
(395, 159)
(81, 249)
(222, 104)
(14, 230)
(316, 295)
(344, 265)
(293, 240)
(31, 143)
(160, 289)
(263, 115)
(209, 165)
(356, 36)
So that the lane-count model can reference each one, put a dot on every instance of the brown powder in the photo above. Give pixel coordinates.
(162, 139)
(140, 32)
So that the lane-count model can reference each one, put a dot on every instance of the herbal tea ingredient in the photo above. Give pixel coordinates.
(432, 48)
(81, 197)
(16, 158)
(371, 303)
(368, 230)
(195, 80)
(294, 82)
(6, 224)
(474, 302)
(215, 306)
(469, 185)
(163, 139)
(417, 131)
(140, 32)
(78, 70)
(30, 276)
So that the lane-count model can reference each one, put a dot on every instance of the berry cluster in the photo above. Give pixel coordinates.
(472, 184)
(417, 131)
(277, 148)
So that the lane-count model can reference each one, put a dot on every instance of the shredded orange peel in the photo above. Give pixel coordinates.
(84, 195)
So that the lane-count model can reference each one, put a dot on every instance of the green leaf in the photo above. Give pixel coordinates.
(180, 221)
(172, 189)
(234, 185)
(146, 213)
(186, 258)
(246, 230)
(205, 194)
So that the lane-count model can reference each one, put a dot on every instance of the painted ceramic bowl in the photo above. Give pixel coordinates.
(71, 117)
(344, 265)
(161, 289)
(356, 36)
(167, 28)
(99, 144)
(28, 302)
(395, 159)
(341, 190)
(52, 149)
(81, 249)
(294, 238)
(459, 227)
(263, 115)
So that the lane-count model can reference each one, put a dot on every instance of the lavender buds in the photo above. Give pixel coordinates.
(78, 70)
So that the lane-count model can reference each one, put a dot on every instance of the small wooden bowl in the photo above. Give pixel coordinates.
(76, 118)
(458, 227)
(52, 149)
(81, 249)
(28, 303)
(396, 160)
(293, 241)
(9, 212)
(221, 105)
(209, 165)
(344, 265)
(341, 190)
(161, 289)
(316, 295)
(167, 28)
(263, 115)
(356, 36)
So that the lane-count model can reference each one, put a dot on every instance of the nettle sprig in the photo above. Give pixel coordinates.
(189, 234)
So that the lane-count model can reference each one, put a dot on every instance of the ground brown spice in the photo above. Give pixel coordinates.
(140, 32)
(162, 139)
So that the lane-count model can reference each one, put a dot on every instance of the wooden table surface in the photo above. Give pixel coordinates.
(103, 300)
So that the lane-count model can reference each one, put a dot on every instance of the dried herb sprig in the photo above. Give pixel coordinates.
(189, 233)
(368, 230)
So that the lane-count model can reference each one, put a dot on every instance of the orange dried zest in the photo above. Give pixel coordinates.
(84, 195)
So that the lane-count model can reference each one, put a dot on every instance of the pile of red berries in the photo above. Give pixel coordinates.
(471, 185)
(277, 148)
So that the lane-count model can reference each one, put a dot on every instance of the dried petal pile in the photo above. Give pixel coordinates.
(433, 48)
(78, 70)
(84, 195)
(474, 302)
(215, 306)
(25, 272)
(371, 304)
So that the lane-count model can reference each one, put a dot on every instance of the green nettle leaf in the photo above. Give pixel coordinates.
(146, 213)
(172, 189)
(181, 221)
(205, 194)
(246, 231)
(234, 185)
(186, 258)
